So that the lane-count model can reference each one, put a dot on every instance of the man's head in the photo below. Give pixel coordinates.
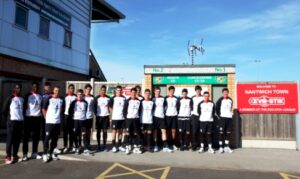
(147, 94)
(171, 90)
(206, 96)
(71, 89)
(184, 93)
(17, 89)
(47, 87)
(157, 91)
(88, 88)
(35, 86)
(198, 90)
(79, 94)
(118, 90)
(133, 92)
(225, 92)
(56, 91)
(138, 90)
(102, 91)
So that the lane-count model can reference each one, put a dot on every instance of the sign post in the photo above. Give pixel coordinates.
(298, 125)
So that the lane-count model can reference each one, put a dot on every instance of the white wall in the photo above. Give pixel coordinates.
(26, 44)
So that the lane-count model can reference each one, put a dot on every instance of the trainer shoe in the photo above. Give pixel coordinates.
(201, 150)
(221, 150)
(8, 160)
(139, 151)
(155, 149)
(25, 158)
(114, 150)
(98, 149)
(210, 150)
(57, 151)
(175, 148)
(104, 148)
(167, 149)
(122, 149)
(54, 157)
(77, 151)
(227, 150)
(87, 152)
(16, 159)
(127, 151)
(45, 158)
(36, 156)
(65, 150)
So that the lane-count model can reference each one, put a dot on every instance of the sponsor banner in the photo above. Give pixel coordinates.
(219, 79)
(280, 98)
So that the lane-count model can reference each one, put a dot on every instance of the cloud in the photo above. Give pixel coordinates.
(281, 17)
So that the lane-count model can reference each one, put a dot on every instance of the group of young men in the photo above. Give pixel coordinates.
(138, 123)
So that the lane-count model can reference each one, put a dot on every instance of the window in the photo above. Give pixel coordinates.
(21, 17)
(44, 27)
(68, 38)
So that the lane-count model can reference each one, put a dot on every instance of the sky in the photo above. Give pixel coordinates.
(261, 37)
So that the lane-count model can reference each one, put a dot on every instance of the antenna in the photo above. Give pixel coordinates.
(192, 49)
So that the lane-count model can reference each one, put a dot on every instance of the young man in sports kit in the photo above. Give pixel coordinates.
(184, 123)
(132, 110)
(46, 94)
(89, 98)
(224, 113)
(13, 112)
(195, 123)
(67, 123)
(77, 111)
(102, 117)
(53, 110)
(32, 121)
(172, 106)
(116, 106)
(206, 110)
(159, 122)
(147, 108)
(139, 92)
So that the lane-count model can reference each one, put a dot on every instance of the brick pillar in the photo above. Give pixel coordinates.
(147, 82)
(231, 87)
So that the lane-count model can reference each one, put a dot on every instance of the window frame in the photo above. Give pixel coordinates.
(26, 19)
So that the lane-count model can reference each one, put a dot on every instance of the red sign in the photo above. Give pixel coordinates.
(279, 98)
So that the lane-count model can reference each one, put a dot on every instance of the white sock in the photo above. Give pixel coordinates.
(227, 142)
(209, 146)
(202, 145)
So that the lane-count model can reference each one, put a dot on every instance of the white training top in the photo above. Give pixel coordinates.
(102, 106)
(196, 101)
(147, 112)
(90, 109)
(34, 104)
(78, 109)
(117, 104)
(68, 100)
(54, 107)
(132, 108)
(185, 108)
(172, 104)
(224, 107)
(16, 108)
(159, 107)
(206, 111)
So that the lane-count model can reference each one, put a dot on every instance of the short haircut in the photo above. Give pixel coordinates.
(56, 87)
(225, 89)
(71, 85)
(47, 83)
(35, 83)
(198, 88)
(103, 86)
(171, 88)
(79, 91)
(206, 92)
(133, 89)
(157, 88)
(88, 86)
(138, 87)
(18, 84)
(118, 87)
(147, 90)
(184, 90)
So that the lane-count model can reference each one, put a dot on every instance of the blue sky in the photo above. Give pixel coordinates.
(234, 31)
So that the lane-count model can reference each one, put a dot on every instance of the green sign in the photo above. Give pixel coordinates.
(189, 80)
